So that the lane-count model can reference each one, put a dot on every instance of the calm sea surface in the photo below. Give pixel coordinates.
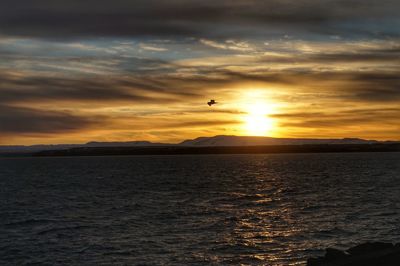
(194, 210)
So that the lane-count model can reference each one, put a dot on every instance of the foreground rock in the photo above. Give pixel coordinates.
(368, 254)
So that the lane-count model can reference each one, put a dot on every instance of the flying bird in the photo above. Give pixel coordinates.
(211, 102)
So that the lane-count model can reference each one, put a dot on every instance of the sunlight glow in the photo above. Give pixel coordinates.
(256, 119)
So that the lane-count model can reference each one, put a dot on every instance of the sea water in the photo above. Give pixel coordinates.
(195, 210)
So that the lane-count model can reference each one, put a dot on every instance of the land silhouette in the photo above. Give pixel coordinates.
(207, 145)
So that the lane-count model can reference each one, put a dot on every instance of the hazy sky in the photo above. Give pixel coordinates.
(75, 71)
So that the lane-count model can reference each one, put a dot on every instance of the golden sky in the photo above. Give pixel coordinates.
(276, 68)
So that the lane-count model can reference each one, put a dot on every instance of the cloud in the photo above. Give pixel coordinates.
(372, 123)
(160, 82)
(191, 18)
(20, 120)
(203, 123)
(338, 116)
(41, 88)
(228, 45)
(363, 56)
(152, 48)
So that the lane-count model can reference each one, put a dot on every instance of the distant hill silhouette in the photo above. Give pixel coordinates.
(201, 142)
(223, 140)
(36, 148)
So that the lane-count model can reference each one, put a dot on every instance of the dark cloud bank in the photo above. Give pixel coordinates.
(19, 120)
(194, 18)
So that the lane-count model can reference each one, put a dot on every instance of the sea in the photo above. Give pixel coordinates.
(272, 209)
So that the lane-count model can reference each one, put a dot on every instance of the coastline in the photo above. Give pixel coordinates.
(182, 150)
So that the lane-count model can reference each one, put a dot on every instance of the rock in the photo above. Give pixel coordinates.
(367, 254)
(334, 254)
(315, 261)
(369, 247)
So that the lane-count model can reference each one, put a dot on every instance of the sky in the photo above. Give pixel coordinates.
(77, 71)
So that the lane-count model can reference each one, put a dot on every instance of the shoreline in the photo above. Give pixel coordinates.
(186, 150)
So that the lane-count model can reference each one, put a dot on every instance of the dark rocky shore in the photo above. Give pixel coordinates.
(368, 254)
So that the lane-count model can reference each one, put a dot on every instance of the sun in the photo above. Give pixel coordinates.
(256, 114)
(257, 121)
